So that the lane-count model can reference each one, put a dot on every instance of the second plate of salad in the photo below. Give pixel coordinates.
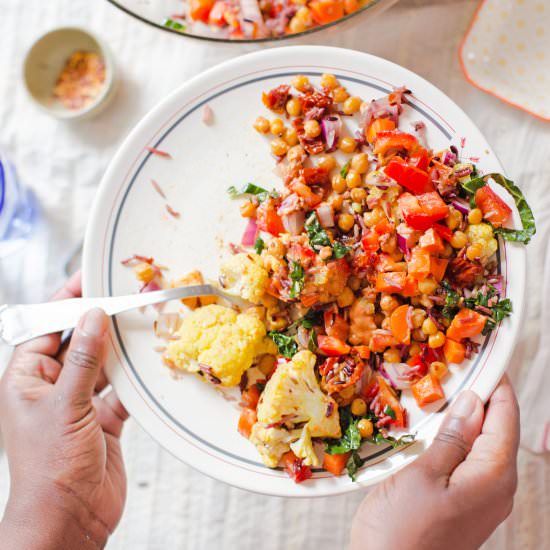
(368, 226)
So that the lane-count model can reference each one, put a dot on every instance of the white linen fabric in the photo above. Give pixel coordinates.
(169, 504)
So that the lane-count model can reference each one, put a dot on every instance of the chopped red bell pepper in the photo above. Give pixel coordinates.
(413, 214)
(295, 467)
(409, 176)
(494, 209)
(267, 218)
(433, 205)
(332, 346)
(217, 14)
(336, 325)
(444, 232)
(394, 141)
(420, 159)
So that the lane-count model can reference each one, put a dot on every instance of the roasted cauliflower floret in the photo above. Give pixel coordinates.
(482, 233)
(220, 343)
(245, 276)
(292, 397)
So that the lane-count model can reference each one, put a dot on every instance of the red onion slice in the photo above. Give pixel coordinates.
(461, 207)
(398, 374)
(332, 127)
(250, 233)
(325, 212)
(294, 222)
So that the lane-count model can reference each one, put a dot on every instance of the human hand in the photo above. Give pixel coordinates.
(68, 484)
(457, 493)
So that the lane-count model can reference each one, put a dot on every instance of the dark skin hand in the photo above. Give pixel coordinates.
(68, 483)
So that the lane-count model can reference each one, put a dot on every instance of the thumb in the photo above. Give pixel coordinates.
(455, 438)
(84, 357)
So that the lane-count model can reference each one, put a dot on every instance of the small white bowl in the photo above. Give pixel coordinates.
(45, 61)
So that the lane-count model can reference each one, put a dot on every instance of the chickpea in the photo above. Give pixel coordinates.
(312, 128)
(353, 179)
(426, 302)
(358, 194)
(277, 127)
(415, 349)
(347, 144)
(418, 335)
(356, 207)
(388, 303)
(475, 216)
(262, 125)
(429, 327)
(358, 407)
(325, 253)
(297, 24)
(427, 286)
(276, 248)
(336, 201)
(291, 137)
(454, 217)
(474, 251)
(293, 107)
(438, 369)
(392, 355)
(340, 94)
(248, 209)
(459, 239)
(274, 321)
(304, 14)
(355, 283)
(295, 154)
(351, 105)
(338, 183)
(345, 222)
(436, 340)
(329, 81)
(300, 82)
(365, 428)
(346, 298)
(326, 162)
(360, 163)
(418, 317)
(266, 364)
(257, 311)
(279, 147)
(373, 217)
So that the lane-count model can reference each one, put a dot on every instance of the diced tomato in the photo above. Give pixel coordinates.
(433, 205)
(326, 11)
(427, 390)
(454, 352)
(200, 9)
(380, 340)
(217, 13)
(494, 209)
(391, 282)
(466, 324)
(411, 287)
(438, 267)
(394, 141)
(379, 125)
(335, 464)
(399, 324)
(409, 176)
(383, 226)
(419, 263)
(444, 232)
(389, 399)
(336, 326)
(385, 262)
(420, 159)
(295, 467)
(315, 176)
(417, 361)
(412, 212)
(302, 190)
(431, 242)
(250, 397)
(247, 419)
(332, 346)
(267, 218)
(370, 242)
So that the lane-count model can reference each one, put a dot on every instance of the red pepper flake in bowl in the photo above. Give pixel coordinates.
(81, 80)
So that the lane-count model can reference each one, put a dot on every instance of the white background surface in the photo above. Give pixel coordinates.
(170, 505)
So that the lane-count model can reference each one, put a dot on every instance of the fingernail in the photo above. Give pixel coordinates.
(464, 405)
(93, 322)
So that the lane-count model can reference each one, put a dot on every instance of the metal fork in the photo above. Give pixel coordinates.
(19, 323)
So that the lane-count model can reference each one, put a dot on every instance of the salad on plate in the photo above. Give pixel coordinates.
(372, 273)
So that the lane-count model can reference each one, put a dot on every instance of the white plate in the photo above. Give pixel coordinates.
(186, 416)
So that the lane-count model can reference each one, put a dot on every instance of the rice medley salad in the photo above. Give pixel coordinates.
(370, 271)
(256, 19)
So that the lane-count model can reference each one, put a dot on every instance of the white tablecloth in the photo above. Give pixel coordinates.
(170, 505)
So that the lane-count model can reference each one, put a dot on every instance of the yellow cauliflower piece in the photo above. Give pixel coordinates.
(292, 396)
(272, 443)
(244, 275)
(482, 233)
(219, 339)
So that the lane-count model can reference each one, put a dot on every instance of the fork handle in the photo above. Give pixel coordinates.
(19, 323)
